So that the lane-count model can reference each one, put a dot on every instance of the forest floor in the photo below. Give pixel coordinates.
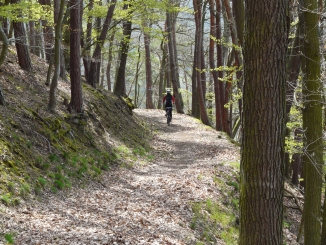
(151, 203)
(143, 204)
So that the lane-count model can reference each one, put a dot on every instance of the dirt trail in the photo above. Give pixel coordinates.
(147, 204)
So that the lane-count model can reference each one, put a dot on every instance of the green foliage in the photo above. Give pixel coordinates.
(214, 222)
(25, 189)
(234, 184)
(292, 145)
(54, 158)
(9, 237)
(9, 200)
(26, 10)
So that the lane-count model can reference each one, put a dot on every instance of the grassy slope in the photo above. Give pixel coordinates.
(43, 151)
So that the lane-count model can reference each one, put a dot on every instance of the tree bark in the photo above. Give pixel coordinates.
(219, 87)
(312, 124)
(120, 86)
(47, 33)
(198, 65)
(76, 100)
(173, 63)
(57, 51)
(96, 58)
(5, 44)
(110, 57)
(24, 58)
(149, 81)
(263, 125)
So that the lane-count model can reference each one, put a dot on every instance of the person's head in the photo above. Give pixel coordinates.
(168, 91)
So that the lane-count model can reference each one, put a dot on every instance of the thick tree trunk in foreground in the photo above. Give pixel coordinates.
(261, 196)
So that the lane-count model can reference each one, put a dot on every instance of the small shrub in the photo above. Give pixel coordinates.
(6, 199)
(59, 184)
(11, 188)
(42, 181)
(54, 189)
(54, 158)
(25, 190)
(234, 184)
(37, 190)
(96, 170)
(9, 237)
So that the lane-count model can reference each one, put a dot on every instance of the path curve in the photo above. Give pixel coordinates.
(147, 204)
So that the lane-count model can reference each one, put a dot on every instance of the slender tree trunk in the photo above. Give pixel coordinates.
(24, 58)
(86, 47)
(170, 22)
(263, 125)
(5, 44)
(149, 82)
(38, 40)
(120, 87)
(47, 33)
(32, 36)
(162, 75)
(198, 15)
(195, 109)
(219, 87)
(312, 125)
(293, 69)
(110, 57)
(76, 101)
(212, 66)
(96, 58)
(57, 50)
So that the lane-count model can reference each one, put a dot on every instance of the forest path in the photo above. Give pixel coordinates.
(146, 204)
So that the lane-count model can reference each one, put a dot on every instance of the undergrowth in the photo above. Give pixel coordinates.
(219, 219)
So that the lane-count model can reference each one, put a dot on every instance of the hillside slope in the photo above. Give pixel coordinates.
(44, 151)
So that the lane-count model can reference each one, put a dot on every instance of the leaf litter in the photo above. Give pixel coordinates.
(146, 204)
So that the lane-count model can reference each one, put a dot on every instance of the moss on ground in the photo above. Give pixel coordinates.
(44, 151)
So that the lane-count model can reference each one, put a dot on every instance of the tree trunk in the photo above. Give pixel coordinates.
(263, 125)
(57, 50)
(213, 13)
(86, 46)
(149, 82)
(24, 58)
(312, 125)
(110, 57)
(96, 58)
(170, 23)
(219, 87)
(120, 87)
(5, 44)
(47, 33)
(32, 36)
(293, 69)
(162, 75)
(76, 102)
(199, 40)
(195, 109)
